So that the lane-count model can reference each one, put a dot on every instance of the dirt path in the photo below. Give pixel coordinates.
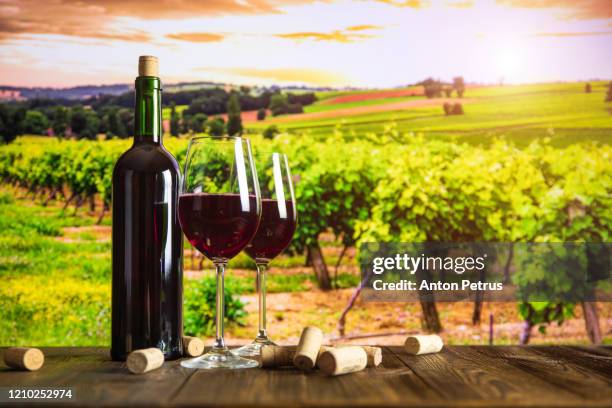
(362, 110)
(289, 312)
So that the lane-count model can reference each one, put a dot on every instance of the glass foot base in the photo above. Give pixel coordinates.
(253, 349)
(219, 359)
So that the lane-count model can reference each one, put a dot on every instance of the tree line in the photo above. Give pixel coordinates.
(113, 115)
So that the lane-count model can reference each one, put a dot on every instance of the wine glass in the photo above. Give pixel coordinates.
(219, 212)
(277, 226)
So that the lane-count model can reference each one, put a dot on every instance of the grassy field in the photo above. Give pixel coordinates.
(56, 273)
(522, 113)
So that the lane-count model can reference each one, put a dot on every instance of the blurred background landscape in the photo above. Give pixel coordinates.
(403, 120)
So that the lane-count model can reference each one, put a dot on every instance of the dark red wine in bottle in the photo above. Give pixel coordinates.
(147, 239)
(278, 223)
(218, 225)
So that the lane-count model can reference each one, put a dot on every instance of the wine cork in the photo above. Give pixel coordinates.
(145, 360)
(308, 348)
(193, 346)
(277, 356)
(374, 355)
(24, 358)
(148, 65)
(423, 344)
(343, 360)
(282, 356)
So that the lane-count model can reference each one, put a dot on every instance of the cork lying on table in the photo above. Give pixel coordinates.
(145, 360)
(24, 358)
(423, 344)
(282, 356)
(343, 360)
(192, 346)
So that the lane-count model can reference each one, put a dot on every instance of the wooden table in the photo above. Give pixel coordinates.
(458, 376)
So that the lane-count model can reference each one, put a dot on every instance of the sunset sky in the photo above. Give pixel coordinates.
(315, 42)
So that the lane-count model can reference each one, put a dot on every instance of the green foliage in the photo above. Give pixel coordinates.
(198, 122)
(234, 120)
(11, 120)
(261, 114)
(174, 121)
(61, 121)
(114, 126)
(84, 123)
(199, 306)
(35, 123)
(216, 127)
(270, 132)
(440, 192)
(278, 104)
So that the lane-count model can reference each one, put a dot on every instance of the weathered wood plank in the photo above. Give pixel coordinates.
(97, 380)
(557, 370)
(463, 376)
(596, 365)
(391, 384)
(470, 378)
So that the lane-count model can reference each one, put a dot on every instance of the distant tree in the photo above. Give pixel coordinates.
(448, 108)
(198, 122)
(61, 121)
(114, 125)
(457, 109)
(245, 90)
(432, 88)
(174, 120)
(92, 125)
(216, 127)
(587, 88)
(185, 122)
(126, 116)
(270, 132)
(35, 123)
(234, 120)
(78, 120)
(261, 114)
(609, 93)
(459, 86)
(11, 119)
(448, 91)
(278, 104)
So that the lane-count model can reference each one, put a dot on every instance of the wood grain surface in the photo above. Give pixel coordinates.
(459, 376)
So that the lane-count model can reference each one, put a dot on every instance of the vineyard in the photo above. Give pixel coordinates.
(392, 188)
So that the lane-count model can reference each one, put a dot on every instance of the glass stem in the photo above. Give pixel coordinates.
(220, 307)
(261, 294)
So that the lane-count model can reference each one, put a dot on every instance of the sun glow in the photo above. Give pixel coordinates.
(510, 62)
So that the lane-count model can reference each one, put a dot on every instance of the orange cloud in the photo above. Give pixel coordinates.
(364, 27)
(289, 75)
(415, 4)
(93, 18)
(460, 4)
(348, 35)
(573, 34)
(197, 37)
(576, 9)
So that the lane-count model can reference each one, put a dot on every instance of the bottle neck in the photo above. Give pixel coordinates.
(148, 113)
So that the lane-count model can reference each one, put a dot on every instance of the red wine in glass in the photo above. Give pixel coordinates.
(274, 232)
(276, 228)
(216, 224)
(219, 212)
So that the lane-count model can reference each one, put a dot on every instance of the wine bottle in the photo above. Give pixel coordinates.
(147, 240)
